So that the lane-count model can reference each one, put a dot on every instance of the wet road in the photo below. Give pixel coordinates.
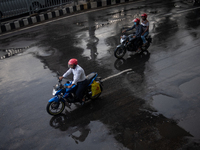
(155, 106)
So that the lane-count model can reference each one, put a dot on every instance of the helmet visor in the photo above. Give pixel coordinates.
(70, 66)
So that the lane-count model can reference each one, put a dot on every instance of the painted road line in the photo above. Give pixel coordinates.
(178, 12)
(127, 70)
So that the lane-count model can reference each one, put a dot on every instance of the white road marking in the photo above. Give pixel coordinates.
(127, 70)
(180, 11)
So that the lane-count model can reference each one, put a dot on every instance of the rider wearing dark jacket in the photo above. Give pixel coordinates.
(138, 32)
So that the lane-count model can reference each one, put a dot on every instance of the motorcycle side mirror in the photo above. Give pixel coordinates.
(58, 73)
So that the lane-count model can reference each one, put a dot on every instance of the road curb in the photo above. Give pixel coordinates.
(5, 53)
(57, 13)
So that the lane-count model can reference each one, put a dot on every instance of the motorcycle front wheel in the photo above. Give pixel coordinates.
(119, 52)
(55, 108)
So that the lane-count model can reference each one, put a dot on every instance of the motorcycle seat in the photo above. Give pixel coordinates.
(90, 77)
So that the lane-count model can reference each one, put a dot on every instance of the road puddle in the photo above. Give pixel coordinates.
(167, 106)
(191, 88)
(93, 133)
(185, 110)
(191, 120)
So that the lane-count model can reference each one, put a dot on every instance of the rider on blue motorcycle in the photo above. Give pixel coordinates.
(137, 37)
(79, 79)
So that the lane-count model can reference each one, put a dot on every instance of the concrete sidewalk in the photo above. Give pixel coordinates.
(57, 12)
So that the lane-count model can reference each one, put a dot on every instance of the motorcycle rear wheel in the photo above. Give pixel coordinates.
(145, 48)
(119, 52)
(54, 108)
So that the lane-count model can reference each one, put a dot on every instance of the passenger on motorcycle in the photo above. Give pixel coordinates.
(79, 79)
(145, 25)
(137, 37)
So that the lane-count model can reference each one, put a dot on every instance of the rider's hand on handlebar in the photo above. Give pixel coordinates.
(60, 78)
(124, 31)
(134, 36)
(70, 86)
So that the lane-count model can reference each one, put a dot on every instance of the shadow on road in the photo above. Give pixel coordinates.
(128, 120)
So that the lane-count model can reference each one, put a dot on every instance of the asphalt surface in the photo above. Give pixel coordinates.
(156, 106)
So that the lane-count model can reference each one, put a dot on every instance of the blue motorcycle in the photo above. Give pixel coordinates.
(64, 95)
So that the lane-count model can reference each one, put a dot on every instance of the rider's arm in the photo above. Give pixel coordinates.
(130, 28)
(147, 28)
(67, 73)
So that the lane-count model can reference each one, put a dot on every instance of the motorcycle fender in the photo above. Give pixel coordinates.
(93, 80)
(120, 45)
(149, 39)
(54, 99)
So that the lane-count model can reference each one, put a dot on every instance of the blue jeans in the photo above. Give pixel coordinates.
(143, 37)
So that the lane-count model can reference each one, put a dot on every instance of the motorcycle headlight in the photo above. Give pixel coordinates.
(55, 89)
(54, 92)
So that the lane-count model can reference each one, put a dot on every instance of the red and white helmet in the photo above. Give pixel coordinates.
(136, 20)
(144, 15)
(73, 61)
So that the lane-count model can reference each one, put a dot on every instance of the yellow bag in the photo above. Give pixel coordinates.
(95, 88)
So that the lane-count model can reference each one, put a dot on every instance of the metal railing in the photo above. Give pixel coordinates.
(10, 8)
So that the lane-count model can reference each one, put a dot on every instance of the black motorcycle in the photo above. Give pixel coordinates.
(127, 45)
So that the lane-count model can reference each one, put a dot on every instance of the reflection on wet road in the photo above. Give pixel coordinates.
(155, 105)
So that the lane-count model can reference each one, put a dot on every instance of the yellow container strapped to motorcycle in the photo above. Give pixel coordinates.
(95, 88)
